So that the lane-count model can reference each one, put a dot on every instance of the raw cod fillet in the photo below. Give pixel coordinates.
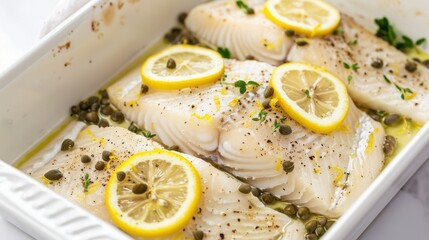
(330, 170)
(223, 24)
(220, 207)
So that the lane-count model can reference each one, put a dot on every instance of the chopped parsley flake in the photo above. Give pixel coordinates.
(307, 92)
(86, 181)
(148, 134)
(387, 79)
(261, 116)
(349, 78)
(242, 85)
(242, 5)
(224, 52)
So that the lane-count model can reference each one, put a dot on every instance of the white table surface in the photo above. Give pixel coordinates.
(406, 217)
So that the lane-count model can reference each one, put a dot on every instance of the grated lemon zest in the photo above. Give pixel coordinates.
(233, 102)
(91, 135)
(273, 103)
(395, 68)
(247, 124)
(340, 174)
(45, 180)
(251, 113)
(278, 165)
(217, 102)
(93, 187)
(316, 170)
(207, 117)
(259, 104)
(370, 143)
(132, 102)
(409, 96)
(316, 154)
(223, 91)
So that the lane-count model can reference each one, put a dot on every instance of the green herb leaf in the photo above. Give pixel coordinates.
(352, 43)
(381, 113)
(355, 66)
(403, 91)
(86, 181)
(253, 83)
(261, 116)
(224, 52)
(148, 134)
(307, 92)
(349, 78)
(276, 125)
(387, 79)
(242, 85)
(420, 41)
(242, 5)
(346, 65)
(338, 31)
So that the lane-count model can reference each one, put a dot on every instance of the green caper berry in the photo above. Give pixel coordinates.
(85, 159)
(174, 148)
(377, 63)
(176, 31)
(198, 235)
(321, 220)
(100, 165)
(74, 110)
(245, 188)
(103, 123)
(93, 99)
(171, 64)
(92, 117)
(285, 129)
(106, 155)
(256, 192)
(67, 144)
(426, 63)
(411, 66)
(393, 120)
(303, 213)
(329, 224)
(121, 176)
(170, 37)
(389, 145)
(251, 11)
(117, 116)
(82, 116)
(139, 188)
(320, 231)
(84, 105)
(266, 103)
(267, 198)
(105, 102)
(310, 226)
(311, 236)
(104, 94)
(269, 91)
(54, 175)
(301, 43)
(374, 116)
(144, 89)
(290, 210)
(290, 33)
(95, 107)
(288, 166)
(182, 17)
(107, 110)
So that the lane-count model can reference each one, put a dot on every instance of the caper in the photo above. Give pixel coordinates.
(393, 120)
(74, 110)
(170, 37)
(285, 129)
(93, 99)
(290, 33)
(106, 155)
(54, 175)
(105, 102)
(267, 198)
(144, 88)
(250, 11)
(321, 220)
(266, 103)
(288, 166)
(95, 107)
(311, 236)
(84, 105)
(171, 64)
(373, 114)
(174, 148)
(269, 91)
(377, 63)
(103, 123)
(301, 43)
(139, 188)
(176, 30)
(411, 66)
(100, 165)
(198, 235)
(92, 117)
(426, 63)
(67, 144)
(256, 192)
(389, 145)
(106, 110)
(182, 17)
(104, 94)
(117, 116)
(303, 213)
(85, 159)
(250, 57)
(310, 226)
(320, 231)
(82, 116)
(329, 224)
(121, 176)
(290, 210)
(417, 60)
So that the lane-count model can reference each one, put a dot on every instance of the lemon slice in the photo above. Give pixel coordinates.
(153, 194)
(311, 96)
(189, 66)
(307, 17)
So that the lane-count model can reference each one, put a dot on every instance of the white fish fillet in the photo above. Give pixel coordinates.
(251, 149)
(368, 86)
(223, 210)
(223, 24)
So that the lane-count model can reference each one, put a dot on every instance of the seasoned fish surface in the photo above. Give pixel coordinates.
(368, 85)
(330, 170)
(223, 210)
(224, 24)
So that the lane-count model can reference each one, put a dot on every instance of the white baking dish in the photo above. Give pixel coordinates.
(105, 37)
